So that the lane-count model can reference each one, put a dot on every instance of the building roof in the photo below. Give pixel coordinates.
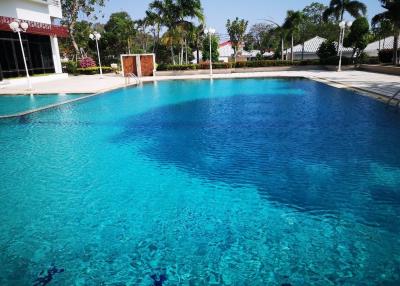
(311, 46)
(386, 43)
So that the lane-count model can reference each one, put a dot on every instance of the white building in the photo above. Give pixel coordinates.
(373, 48)
(40, 41)
(309, 51)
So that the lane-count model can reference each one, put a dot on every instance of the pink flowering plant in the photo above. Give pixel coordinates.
(87, 62)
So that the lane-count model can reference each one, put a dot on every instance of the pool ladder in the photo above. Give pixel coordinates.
(135, 77)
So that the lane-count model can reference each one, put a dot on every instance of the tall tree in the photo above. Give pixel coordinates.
(71, 10)
(176, 17)
(119, 32)
(337, 8)
(293, 21)
(392, 14)
(359, 36)
(236, 30)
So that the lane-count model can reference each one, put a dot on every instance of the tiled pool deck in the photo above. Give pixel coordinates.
(378, 85)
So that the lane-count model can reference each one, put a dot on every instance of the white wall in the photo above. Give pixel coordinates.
(56, 54)
(29, 10)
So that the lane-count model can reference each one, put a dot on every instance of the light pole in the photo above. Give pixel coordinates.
(282, 38)
(18, 27)
(96, 36)
(342, 26)
(210, 32)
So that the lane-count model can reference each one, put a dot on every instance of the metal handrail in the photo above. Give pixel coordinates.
(393, 97)
(135, 77)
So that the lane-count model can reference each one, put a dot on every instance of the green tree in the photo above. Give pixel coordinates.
(214, 48)
(326, 50)
(337, 8)
(391, 14)
(315, 12)
(196, 37)
(293, 22)
(119, 32)
(176, 17)
(236, 30)
(359, 36)
(71, 9)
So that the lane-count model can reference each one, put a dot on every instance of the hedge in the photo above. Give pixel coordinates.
(248, 64)
(386, 55)
(333, 61)
(94, 70)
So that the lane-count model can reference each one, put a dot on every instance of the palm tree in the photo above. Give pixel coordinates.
(338, 7)
(176, 16)
(392, 14)
(196, 37)
(293, 21)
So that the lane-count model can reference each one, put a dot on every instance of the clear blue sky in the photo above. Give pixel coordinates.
(218, 11)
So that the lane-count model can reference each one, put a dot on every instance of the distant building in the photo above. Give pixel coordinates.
(226, 53)
(40, 40)
(373, 48)
(309, 50)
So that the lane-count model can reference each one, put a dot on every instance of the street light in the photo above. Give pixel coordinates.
(279, 28)
(96, 36)
(18, 27)
(342, 26)
(210, 32)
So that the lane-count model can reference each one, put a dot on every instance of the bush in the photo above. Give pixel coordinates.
(386, 55)
(326, 50)
(333, 61)
(87, 62)
(248, 64)
(371, 61)
(94, 70)
(70, 67)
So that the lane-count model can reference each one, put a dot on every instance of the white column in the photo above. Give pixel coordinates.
(56, 54)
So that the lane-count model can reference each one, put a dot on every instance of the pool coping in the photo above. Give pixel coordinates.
(336, 84)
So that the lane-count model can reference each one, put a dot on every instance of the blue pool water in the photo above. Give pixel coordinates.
(12, 104)
(229, 182)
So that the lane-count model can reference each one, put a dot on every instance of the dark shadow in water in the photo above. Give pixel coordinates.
(310, 151)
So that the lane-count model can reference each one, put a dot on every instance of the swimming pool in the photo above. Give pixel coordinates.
(13, 104)
(224, 182)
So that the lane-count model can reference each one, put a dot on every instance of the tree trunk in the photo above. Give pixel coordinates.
(395, 48)
(282, 49)
(291, 51)
(197, 52)
(186, 46)
(71, 25)
(172, 54)
(302, 51)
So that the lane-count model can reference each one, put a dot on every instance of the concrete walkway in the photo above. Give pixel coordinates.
(377, 85)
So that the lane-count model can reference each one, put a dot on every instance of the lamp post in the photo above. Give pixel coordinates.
(342, 26)
(96, 36)
(18, 27)
(282, 38)
(210, 32)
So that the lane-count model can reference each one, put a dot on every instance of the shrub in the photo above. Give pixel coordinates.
(87, 62)
(333, 61)
(248, 64)
(70, 67)
(371, 61)
(386, 55)
(326, 50)
(94, 70)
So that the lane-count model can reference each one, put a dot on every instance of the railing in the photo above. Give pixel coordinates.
(132, 75)
(394, 97)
